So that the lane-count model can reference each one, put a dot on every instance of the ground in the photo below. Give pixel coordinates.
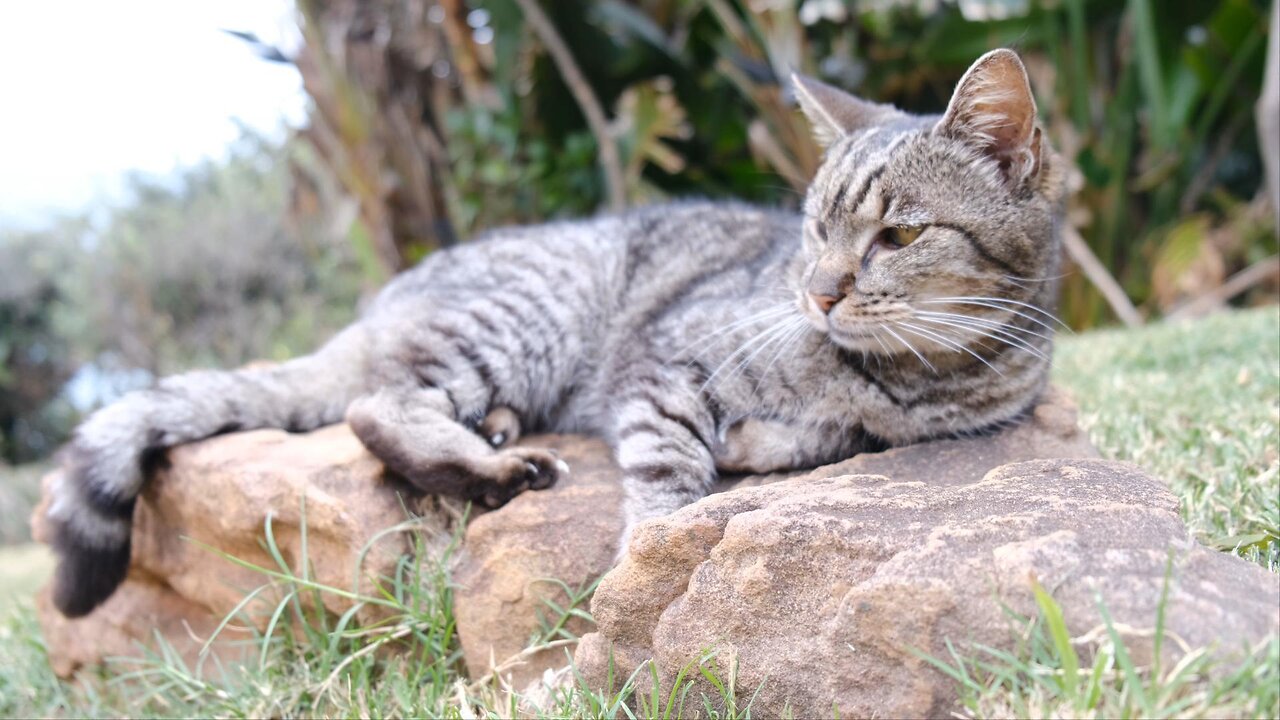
(1197, 404)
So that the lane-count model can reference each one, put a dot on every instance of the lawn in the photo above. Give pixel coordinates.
(1197, 404)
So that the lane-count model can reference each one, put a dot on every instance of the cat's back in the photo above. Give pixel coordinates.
(613, 254)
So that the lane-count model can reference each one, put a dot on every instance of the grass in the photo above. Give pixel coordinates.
(311, 663)
(1198, 405)
(1043, 676)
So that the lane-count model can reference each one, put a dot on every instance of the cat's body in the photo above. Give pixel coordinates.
(693, 336)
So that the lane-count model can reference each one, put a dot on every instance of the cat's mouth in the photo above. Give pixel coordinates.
(859, 328)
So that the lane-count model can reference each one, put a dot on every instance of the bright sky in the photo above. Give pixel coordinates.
(90, 89)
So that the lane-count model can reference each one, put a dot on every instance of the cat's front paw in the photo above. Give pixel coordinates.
(511, 471)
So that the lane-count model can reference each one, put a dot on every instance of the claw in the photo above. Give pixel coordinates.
(562, 466)
(497, 439)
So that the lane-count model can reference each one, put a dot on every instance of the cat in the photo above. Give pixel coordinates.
(911, 299)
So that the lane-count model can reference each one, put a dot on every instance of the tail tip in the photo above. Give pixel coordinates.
(87, 576)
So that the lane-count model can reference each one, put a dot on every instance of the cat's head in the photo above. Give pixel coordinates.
(907, 211)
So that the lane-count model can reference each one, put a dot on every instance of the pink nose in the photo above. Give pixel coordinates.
(825, 302)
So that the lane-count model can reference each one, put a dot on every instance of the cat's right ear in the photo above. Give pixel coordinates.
(834, 113)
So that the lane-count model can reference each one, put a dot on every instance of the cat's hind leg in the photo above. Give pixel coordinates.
(412, 430)
(501, 427)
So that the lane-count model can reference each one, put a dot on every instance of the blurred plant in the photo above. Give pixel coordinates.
(201, 269)
(1153, 107)
(35, 356)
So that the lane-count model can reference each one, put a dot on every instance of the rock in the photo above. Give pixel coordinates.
(219, 493)
(569, 533)
(216, 496)
(1050, 431)
(142, 608)
(821, 588)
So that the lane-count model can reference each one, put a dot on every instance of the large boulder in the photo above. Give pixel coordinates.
(569, 534)
(825, 590)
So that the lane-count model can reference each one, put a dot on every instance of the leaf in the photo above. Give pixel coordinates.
(1052, 613)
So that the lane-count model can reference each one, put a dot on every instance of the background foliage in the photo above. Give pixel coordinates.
(203, 269)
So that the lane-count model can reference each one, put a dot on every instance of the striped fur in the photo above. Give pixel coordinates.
(687, 334)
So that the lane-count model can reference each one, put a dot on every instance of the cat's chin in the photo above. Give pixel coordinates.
(857, 339)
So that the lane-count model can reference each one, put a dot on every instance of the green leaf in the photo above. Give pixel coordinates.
(1052, 613)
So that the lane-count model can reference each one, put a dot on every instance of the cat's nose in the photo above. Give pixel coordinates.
(825, 302)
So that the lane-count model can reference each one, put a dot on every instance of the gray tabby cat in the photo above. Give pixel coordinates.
(907, 302)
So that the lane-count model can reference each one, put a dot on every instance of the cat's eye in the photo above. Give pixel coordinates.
(901, 236)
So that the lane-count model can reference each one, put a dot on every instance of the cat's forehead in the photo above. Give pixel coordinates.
(902, 168)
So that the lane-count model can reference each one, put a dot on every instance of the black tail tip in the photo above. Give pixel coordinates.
(87, 576)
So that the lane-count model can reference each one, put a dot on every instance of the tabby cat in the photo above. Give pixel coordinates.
(909, 301)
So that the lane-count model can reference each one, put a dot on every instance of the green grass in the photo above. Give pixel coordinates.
(1198, 405)
(309, 663)
(1044, 675)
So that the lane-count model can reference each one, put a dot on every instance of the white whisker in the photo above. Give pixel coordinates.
(992, 304)
(777, 336)
(945, 342)
(759, 337)
(912, 348)
(998, 335)
(789, 343)
(985, 322)
(766, 314)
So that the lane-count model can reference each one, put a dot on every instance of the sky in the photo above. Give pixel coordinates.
(92, 89)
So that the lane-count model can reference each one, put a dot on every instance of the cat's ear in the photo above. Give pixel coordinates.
(835, 113)
(993, 108)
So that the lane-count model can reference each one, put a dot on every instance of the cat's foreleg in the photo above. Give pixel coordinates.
(661, 437)
(412, 429)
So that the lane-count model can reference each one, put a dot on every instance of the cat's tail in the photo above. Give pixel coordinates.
(91, 509)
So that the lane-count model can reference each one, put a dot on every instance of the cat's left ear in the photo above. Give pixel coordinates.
(834, 113)
(993, 108)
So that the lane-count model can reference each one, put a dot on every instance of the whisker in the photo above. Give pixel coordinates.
(780, 334)
(1049, 278)
(766, 314)
(911, 348)
(991, 303)
(984, 322)
(1029, 306)
(945, 342)
(787, 344)
(745, 347)
(875, 333)
(961, 335)
(1000, 336)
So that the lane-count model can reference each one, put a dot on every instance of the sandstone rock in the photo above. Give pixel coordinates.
(569, 532)
(820, 588)
(219, 494)
(125, 627)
